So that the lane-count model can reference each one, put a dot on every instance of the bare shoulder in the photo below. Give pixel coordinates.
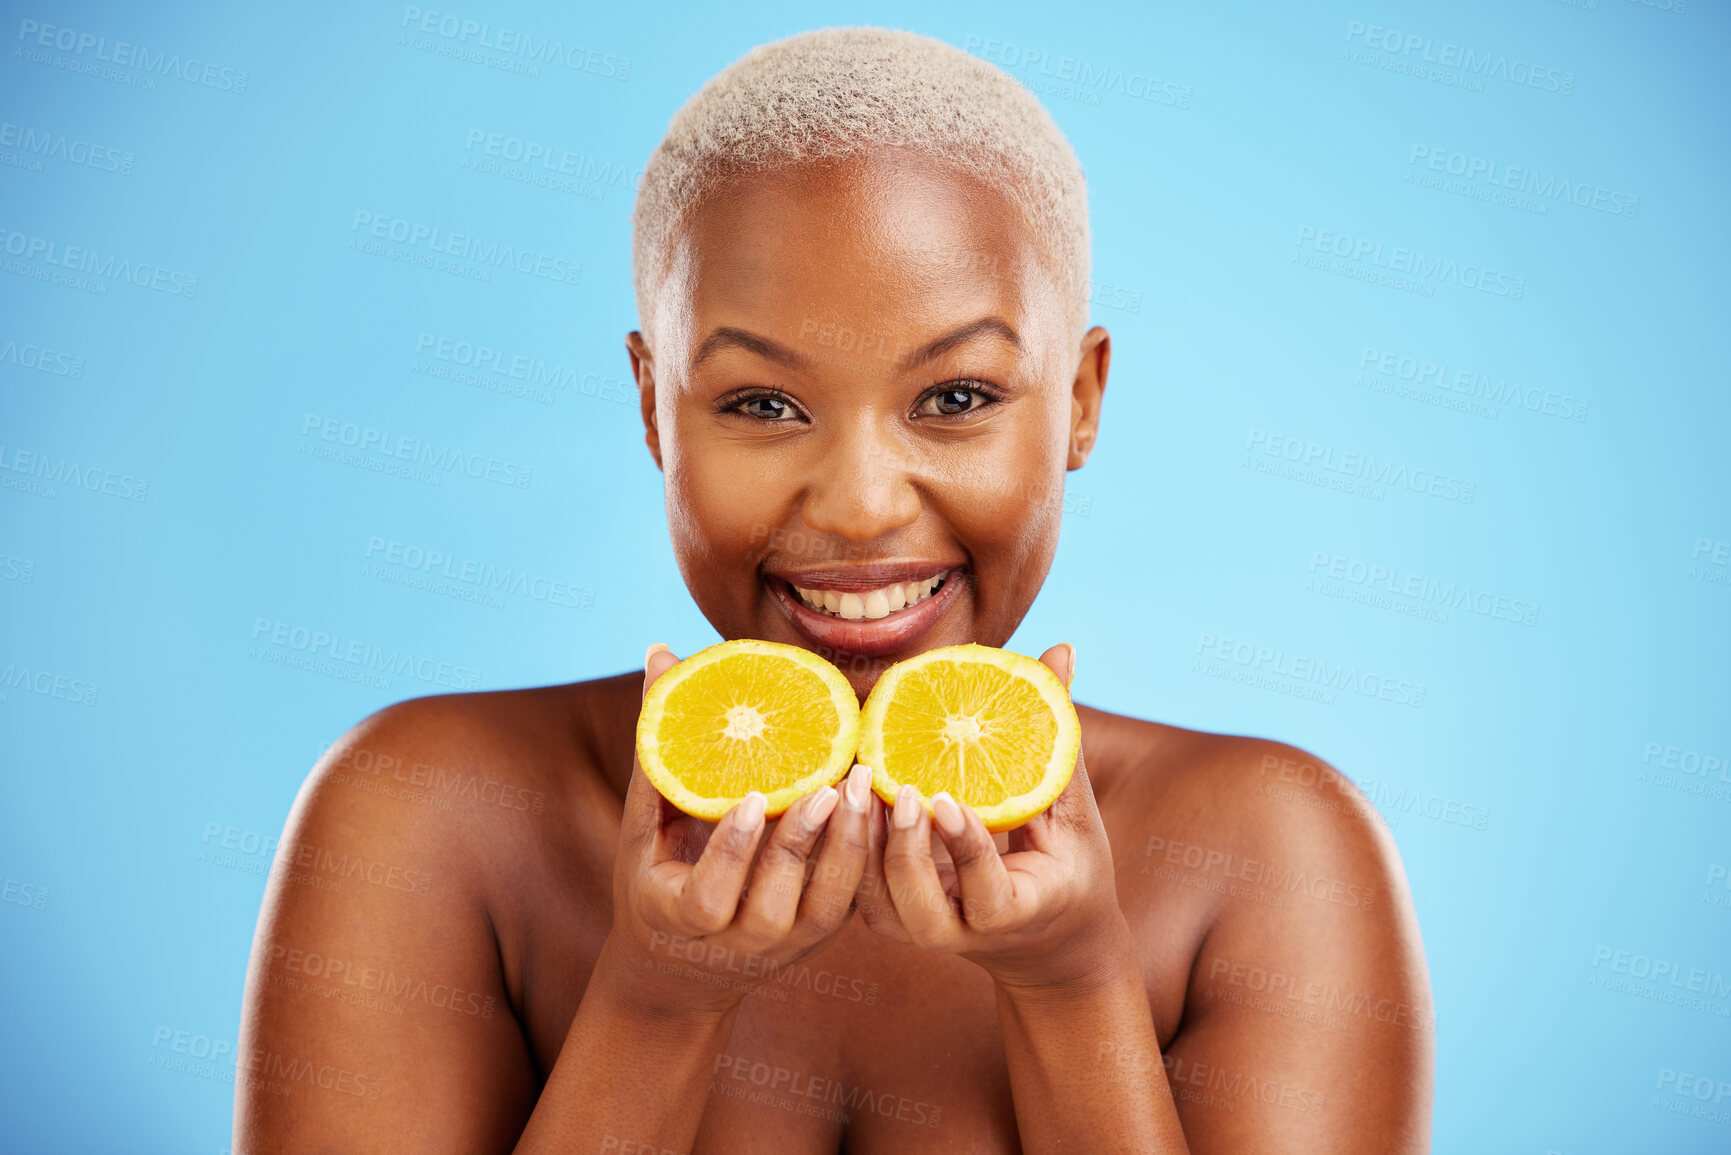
(1259, 873)
(1245, 811)
(387, 965)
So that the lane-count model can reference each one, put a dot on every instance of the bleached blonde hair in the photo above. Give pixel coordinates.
(840, 92)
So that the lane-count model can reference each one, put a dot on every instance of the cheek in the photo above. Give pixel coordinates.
(1005, 496)
(721, 506)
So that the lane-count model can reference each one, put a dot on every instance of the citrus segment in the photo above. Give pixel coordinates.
(994, 728)
(742, 716)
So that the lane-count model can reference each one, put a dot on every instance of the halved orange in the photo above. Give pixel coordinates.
(995, 729)
(747, 715)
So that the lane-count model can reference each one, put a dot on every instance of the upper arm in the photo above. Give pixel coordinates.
(1308, 1024)
(375, 1015)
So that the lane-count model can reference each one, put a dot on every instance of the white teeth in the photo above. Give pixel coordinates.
(871, 604)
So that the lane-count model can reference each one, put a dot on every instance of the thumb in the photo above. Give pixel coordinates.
(643, 803)
(1061, 660)
(657, 660)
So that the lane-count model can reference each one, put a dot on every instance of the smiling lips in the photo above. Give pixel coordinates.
(840, 610)
(870, 604)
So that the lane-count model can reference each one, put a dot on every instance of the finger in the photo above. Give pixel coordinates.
(872, 898)
(841, 862)
(773, 898)
(1061, 660)
(702, 899)
(915, 888)
(1070, 815)
(643, 816)
(988, 894)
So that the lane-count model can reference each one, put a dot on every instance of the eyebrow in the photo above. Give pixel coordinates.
(985, 326)
(728, 337)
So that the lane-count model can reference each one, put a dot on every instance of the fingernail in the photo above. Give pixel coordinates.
(1072, 676)
(907, 811)
(657, 648)
(748, 816)
(821, 804)
(948, 814)
(859, 785)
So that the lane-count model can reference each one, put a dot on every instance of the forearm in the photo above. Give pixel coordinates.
(1085, 1067)
(631, 1072)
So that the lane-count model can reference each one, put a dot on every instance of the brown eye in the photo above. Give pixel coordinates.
(952, 402)
(766, 408)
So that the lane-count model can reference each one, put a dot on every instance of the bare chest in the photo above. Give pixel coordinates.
(867, 1046)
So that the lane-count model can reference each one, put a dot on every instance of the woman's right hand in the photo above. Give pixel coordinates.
(689, 934)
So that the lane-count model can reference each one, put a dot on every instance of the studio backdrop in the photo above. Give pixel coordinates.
(315, 398)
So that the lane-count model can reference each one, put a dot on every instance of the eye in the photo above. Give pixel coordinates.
(954, 400)
(769, 405)
(767, 408)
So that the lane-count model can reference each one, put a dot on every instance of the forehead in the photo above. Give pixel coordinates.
(892, 244)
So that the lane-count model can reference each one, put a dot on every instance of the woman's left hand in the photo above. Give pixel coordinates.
(1045, 913)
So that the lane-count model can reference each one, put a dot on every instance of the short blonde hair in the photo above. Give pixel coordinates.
(839, 92)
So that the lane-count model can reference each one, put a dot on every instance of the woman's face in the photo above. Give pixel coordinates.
(864, 390)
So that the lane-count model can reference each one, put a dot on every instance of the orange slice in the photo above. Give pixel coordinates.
(742, 716)
(995, 729)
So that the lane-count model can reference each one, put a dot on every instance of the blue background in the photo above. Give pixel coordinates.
(1575, 747)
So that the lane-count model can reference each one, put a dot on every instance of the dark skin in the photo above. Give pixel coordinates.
(1205, 945)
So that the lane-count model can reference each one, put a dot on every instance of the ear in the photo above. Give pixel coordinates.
(643, 369)
(1086, 394)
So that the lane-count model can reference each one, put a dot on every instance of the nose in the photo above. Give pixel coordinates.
(861, 487)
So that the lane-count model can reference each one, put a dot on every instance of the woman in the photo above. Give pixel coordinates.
(862, 268)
